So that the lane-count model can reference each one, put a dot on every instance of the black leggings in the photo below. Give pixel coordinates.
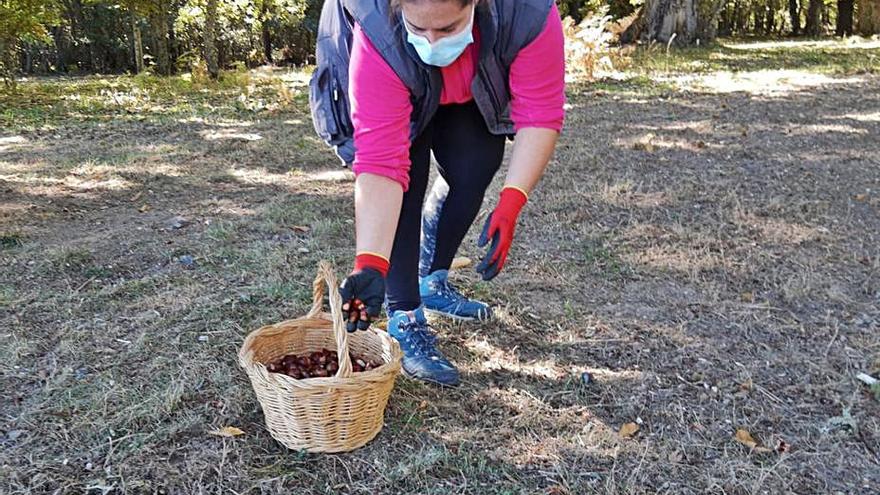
(468, 156)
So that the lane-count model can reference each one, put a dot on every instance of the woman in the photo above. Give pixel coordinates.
(452, 77)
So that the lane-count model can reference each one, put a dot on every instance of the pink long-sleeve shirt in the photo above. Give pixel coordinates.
(381, 106)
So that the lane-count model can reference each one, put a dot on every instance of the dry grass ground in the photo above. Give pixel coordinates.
(705, 246)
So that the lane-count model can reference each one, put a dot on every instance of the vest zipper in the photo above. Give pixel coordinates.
(334, 105)
(487, 83)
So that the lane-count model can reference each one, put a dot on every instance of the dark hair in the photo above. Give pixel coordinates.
(395, 4)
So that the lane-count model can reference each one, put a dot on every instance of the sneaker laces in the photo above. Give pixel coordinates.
(448, 291)
(421, 338)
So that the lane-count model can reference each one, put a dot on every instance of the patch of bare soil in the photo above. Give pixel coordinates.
(695, 263)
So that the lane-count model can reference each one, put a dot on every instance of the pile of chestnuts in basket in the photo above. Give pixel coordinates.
(321, 363)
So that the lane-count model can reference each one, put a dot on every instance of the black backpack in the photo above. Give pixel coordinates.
(328, 88)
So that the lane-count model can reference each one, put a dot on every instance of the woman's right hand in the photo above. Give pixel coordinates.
(377, 201)
(363, 292)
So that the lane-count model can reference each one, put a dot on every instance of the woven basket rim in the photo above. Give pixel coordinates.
(248, 363)
(324, 280)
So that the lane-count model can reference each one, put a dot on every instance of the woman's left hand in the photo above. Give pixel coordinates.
(500, 227)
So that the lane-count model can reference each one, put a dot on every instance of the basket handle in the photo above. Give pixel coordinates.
(326, 280)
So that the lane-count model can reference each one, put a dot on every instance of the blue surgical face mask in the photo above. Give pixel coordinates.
(445, 50)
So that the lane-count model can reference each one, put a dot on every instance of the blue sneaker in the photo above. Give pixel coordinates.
(421, 359)
(440, 297)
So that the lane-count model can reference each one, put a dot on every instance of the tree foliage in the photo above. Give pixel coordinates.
(22, 21)
(167, 36)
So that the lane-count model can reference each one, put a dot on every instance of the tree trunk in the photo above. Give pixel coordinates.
(770, 25)
(795, 15)
(137, 43)
(708, 14)
(691, 21)
(826, 16)
(869, 17)
(173, 45)
(58, 53)
(211, 39)
(267, 36)
(665, 18)
(724, 21)
(814, 20)
(844, 18)
(8, 60)
(159, 25)
(743, 18)
(734, 21)
(267, 44)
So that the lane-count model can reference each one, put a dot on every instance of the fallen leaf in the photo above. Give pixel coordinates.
(145, 208)
(460, 262)
(301, 228)
(556, 490)
(748, 297)
(137, 196)
(645, 143)
(227, 431)
(746, 385)
(629, 429)
(745, 438)
(861, 197)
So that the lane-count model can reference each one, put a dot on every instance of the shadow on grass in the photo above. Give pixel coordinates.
(677, 273)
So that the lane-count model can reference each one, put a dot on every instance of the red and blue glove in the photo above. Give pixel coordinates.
(500, 227)
(363, 291)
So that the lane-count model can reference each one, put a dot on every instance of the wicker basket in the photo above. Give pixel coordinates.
(333, 414)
